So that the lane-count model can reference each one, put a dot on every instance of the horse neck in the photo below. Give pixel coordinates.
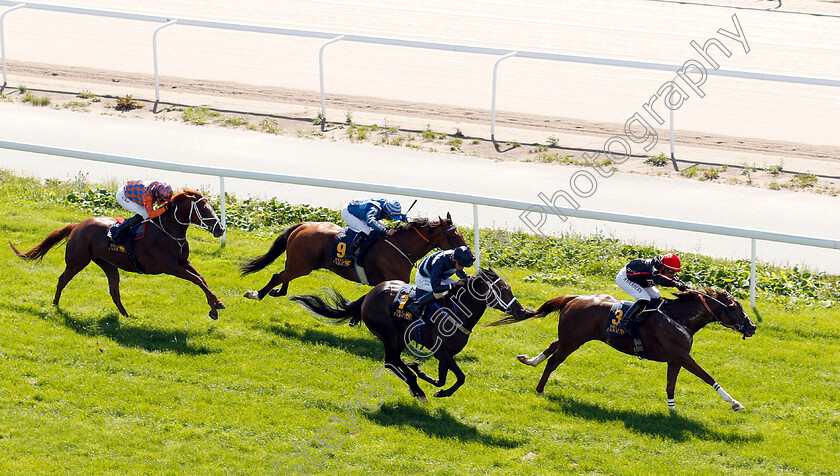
(172, 225)
(469, 308)
(693, 315)
(415, 245)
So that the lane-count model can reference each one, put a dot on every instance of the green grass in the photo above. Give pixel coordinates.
(169, 391)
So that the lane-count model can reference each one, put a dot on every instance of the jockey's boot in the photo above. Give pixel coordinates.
(353, 245)
(366, 244)
(415, 307)
(118, 229)
(631, 319)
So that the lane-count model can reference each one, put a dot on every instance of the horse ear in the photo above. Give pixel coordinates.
(448, 216)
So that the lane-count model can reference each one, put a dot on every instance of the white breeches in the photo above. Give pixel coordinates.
(133, 207)
(425, 284)
(354, 223)
(635, 290)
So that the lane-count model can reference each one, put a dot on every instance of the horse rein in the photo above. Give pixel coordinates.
(703, 297)
(497, 295)
(193, 208)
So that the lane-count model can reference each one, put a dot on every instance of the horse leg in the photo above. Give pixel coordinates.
(71, 269)
(447, 362)
(113, 283)
(415, 367)
(673, 372)
(184, 273)
(282, 277)
(543, 355)
(217, 304)
(394, 363)
(695, 368)
(556, 359)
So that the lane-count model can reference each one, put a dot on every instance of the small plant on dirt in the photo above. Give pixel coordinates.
(36, 101)
(22, 89)
(690, 172)
(319, 119)
(475, 142)
(428, 135)
(458, 133)
(234, 121)
(455, 143)
(657, 160)
(361, 133)
(775, 170)
(540, 148)
(198, 116)
(269, 125)
(396, 141)
(553, 141)
(348, 117)
(88, 95)
(513, 145)
(774, 185)
(75, 105)
(748, 171)
(127, 103)
(711, 173)
(803, 181)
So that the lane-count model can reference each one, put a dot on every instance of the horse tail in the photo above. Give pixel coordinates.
(548, 307)
(277, 249)
(54, 238)
(335, 308)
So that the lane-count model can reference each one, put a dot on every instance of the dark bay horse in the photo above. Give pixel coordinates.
(309, 246)
(667, 335)
(445, 335)
(164, 248)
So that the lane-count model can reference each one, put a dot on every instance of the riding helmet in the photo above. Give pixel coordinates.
(393, 209)
(672, 262)
(463, 256)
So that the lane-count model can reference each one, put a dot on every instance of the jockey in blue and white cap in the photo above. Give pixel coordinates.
(364, 217)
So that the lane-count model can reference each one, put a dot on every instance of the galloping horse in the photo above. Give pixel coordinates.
(309, 246)
(667, 334)
(445, 335)
(163, 249)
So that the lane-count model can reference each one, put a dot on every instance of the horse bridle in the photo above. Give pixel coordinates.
(497, 294)
(427, 240)
(704, 296)
(193, 209)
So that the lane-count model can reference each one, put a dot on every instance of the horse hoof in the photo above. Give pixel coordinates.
(524, 359)
(219, 306)
(214, 315)
(737, 406)
(422, 398)
(253, 295)
(276, 293)
(540, 394)
(441, 394)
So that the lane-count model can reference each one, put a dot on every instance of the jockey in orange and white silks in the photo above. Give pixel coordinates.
(140, 197)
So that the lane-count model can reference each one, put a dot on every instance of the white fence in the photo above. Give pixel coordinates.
(332, 37)
(475, 200)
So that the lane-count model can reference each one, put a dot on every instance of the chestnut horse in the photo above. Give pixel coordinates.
(667, 335)
(163, 249)
(309, 246)
(445, 335)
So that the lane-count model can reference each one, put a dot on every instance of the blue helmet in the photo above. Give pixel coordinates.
(393, 209)
(463, 256)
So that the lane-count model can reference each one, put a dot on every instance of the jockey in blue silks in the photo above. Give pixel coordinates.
(363, 217)
(434, 275)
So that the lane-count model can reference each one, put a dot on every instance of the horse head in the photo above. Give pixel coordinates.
(446, 235)
(497, 294)
(191, 207)
(729, 311)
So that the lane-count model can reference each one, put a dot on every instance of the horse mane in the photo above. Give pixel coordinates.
(685, 296)
(417, 222)
(482, 272)
(187, 192)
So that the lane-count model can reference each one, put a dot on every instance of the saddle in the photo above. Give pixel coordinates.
(341, 254)
(125, 244)
(399, 306)
(616, 328)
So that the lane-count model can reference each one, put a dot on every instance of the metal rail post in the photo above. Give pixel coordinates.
(154, 53)
(3, 39)
(222, 197)
(752, 275)
(476, 246)
(493, 103)
(321, 74)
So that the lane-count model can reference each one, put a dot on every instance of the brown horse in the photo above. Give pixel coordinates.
(309, 246)
(163, 249)
(445, 335)
(667, 335)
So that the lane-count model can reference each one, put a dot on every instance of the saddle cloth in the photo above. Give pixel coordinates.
(617, 312)
(341, 248)
(126, 243)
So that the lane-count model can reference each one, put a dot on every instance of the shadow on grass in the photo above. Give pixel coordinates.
(369, 347)
(671, 426)
(438, 424)
(124, 335)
